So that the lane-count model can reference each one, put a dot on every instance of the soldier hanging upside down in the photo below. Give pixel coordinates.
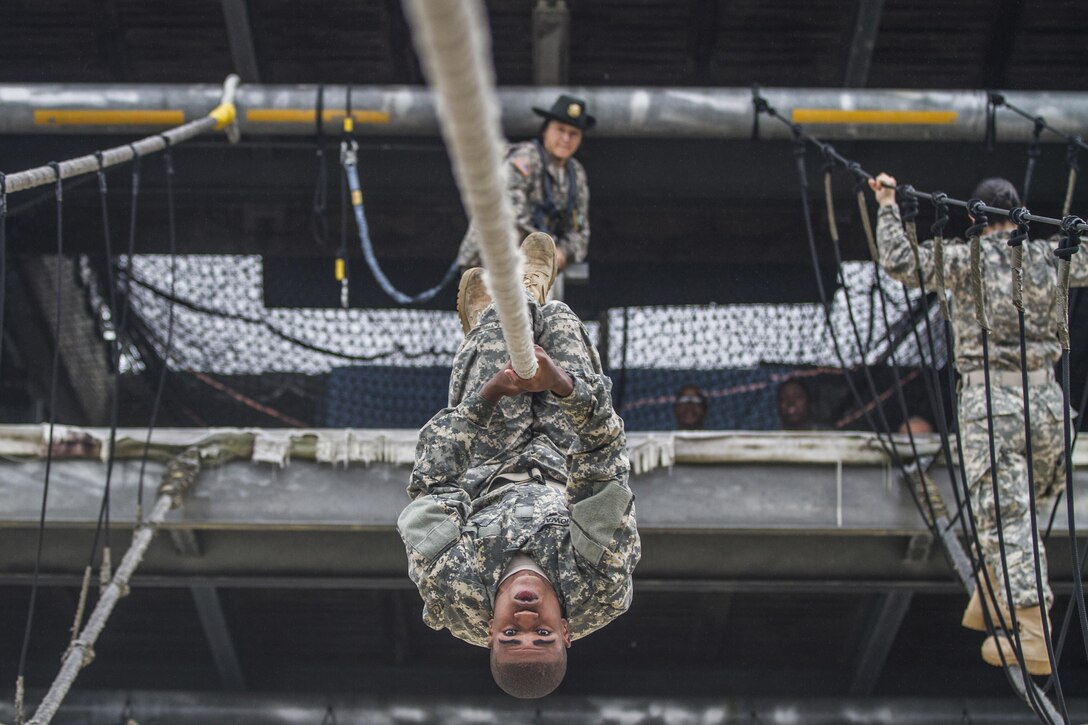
(1041, 317)
(547, 185)
(513, 544)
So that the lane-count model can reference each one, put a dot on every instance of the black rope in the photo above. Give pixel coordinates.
(932, 381)
(168, 164)
(125, 275)
(1014, 627)
(1016, 241)
(398, 349)
(993, 100)
(1069, 246)
(1034, 151)
(102, 527)
(931, 519)
(1069, 138)
(806, 213)
(319, 225)
(3, 259)
(977, 209)
(53, 384)
(621, 384)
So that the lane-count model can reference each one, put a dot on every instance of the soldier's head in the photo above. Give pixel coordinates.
(999, 193)
(793, 405)
(689, 408)
(528, 636)
(564, 124)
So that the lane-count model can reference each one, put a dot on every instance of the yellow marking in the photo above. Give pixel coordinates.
(302, 115)
(835, 115)
(356, 198)
(108, 118)
(340, 270)
(224, 115)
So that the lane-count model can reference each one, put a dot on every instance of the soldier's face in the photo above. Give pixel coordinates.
(527, 624)
(561, 140)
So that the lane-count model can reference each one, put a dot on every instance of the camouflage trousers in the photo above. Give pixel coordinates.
(563, 336)
(1010, 456)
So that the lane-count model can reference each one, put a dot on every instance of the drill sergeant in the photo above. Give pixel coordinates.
(547, 185)
(513, 544)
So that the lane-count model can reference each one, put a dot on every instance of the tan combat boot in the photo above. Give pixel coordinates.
(538, 252)
(974, 616)
(1030, 622)
(472, 297)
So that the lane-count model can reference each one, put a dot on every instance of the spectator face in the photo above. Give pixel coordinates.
(561, 140)
(915, 425)
(793, 405)
(689, 408)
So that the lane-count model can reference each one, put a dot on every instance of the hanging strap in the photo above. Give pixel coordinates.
(974, 234)
(1070, 245)
(349, 160)
(1072, 160)
(940, 202)
(1034, 150)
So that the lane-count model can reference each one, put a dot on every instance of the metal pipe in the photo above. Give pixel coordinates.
(179, 708)
(833, 114)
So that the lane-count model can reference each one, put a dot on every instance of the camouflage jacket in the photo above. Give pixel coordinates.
(464, 525)
(1041, 311)
(526, 177)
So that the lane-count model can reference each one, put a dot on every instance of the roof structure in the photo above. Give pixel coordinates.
(787, 578)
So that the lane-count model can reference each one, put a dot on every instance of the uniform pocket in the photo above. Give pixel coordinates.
(427, 527)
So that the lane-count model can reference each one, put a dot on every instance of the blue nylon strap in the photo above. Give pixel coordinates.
(368, 248)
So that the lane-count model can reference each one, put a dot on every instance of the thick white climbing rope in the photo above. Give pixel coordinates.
(454, 47)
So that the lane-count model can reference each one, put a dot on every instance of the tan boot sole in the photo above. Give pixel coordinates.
(461, 312)
(1035, 666)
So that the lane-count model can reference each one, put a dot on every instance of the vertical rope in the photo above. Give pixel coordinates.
(168, 162)
(1071, 181)
(1070, 246)
(3, 258)
(58, 186)
(179, 477)
(1016, 242)
(452, 42)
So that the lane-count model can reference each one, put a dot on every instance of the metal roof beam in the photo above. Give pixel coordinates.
(240, 35)
(220, 642)
(885, 617)
(108, 35)
(1006, 20)
(551, 43)
(657, 112)
(860, 58)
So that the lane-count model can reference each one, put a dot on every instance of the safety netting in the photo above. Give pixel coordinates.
(387, 368)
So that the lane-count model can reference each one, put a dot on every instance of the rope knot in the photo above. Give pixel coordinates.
(908, 202)
(1019, 216)
(976, 209)
(1070, 227)
(940, 203)
(1072, 152)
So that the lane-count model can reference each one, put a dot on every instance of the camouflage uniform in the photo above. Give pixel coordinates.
(526, 178)
(1041, 318)
(467, 518)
